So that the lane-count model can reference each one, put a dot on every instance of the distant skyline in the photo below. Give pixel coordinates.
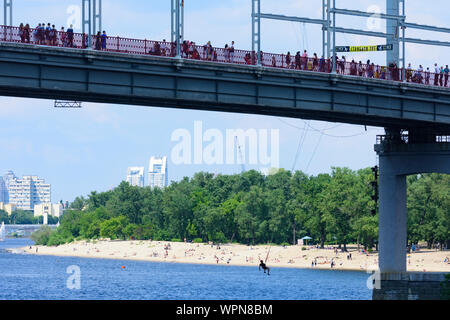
(90, 149)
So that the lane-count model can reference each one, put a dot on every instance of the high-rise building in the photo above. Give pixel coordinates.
(4, 187)
(25, 193)
(157, 172)
(135, 176)
(3, 191)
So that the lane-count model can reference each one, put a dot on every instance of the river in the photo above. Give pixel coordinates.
(32, 277)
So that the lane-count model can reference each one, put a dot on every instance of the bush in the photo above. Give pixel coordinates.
(161, 235)
(197, 240)
(42, 236)
(303, 249)
(175, 240)
(113, 228)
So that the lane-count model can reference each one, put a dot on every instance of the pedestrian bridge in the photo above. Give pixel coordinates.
(33, 71)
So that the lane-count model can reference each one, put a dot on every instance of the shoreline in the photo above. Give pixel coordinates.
(298, 257)
(193, 263)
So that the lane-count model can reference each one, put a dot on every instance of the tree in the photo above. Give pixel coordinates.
(41, 236)
(178, 207)
(4, 217)
(78, 204)
(125, 200)
(114, 228)
(428, 209)
(252, 208)
(315, 221)
(22, 217)
(338, 201)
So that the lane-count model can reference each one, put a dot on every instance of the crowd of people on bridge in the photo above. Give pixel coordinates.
(440, 77)
(422, 76)
(47, 34)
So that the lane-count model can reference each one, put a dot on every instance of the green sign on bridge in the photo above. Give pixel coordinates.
(386, 47)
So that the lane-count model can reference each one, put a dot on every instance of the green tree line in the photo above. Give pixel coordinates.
(251, 208)
(24, 217)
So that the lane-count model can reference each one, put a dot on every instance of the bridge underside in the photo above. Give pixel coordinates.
(85, 75)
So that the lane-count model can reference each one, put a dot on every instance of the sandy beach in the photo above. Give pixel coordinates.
(241, 255)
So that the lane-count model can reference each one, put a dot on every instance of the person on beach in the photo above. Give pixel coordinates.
(264, 267)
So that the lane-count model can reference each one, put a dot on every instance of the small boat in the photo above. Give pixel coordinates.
(2, 232)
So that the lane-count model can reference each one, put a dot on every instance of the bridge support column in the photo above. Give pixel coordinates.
(392, 217)
(401, 156)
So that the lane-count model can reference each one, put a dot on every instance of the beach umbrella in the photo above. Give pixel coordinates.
(306, 238)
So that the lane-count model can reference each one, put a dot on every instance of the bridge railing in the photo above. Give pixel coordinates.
(426, 137)
(222, 55)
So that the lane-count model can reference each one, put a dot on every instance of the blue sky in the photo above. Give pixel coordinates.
(78, 151)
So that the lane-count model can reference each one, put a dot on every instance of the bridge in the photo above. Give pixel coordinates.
(415, 113)
(24, 230)
(109, 77)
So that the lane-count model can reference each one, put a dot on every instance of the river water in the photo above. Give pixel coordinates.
(30, 277)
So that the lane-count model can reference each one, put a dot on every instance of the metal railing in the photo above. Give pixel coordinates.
(406, 139)
(55, 38)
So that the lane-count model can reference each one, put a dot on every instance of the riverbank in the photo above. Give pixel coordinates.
(240, 255)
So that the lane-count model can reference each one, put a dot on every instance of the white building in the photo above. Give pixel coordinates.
(157, 172)
(48, 209)
(8, 208)
(135, 176)
(25, 193)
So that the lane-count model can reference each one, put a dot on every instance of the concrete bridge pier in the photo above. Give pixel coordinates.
(400, 156)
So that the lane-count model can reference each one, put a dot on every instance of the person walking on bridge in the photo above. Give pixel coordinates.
(446, 72)
(288, 60)
(427, 76)
(98, 41)
(70, 36)
(63, 37)
(104, 38)
(232, 52)
(305, 60)
(298, 60)
(437, 71)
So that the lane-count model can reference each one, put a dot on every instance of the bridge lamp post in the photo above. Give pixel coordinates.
(177, 25)
(334, 38)
(7, 12)
(91, 11)
(256, 26)
(256, 30)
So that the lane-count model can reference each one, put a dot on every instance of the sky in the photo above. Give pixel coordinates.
(82, 150)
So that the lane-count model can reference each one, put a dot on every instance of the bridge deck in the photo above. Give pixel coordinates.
(108, 77)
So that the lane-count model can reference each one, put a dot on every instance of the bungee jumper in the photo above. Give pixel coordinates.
(264, 267)
(262, 264)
